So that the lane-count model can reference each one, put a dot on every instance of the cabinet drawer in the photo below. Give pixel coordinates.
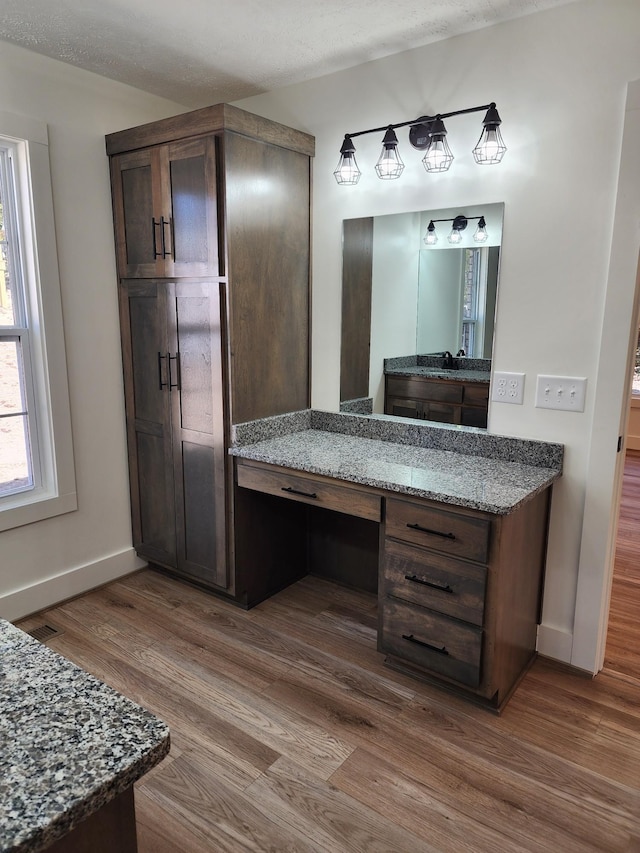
(476, 394)
(432, 641)
(298, 487)
(425, 389)
(449, 586)
(453, 534)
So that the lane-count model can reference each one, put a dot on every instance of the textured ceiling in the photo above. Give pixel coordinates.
(198, 52)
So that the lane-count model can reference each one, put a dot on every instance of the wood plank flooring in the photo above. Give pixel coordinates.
(622, 652)
(289, 734)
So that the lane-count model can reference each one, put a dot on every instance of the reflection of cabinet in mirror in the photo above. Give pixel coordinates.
(444, 400)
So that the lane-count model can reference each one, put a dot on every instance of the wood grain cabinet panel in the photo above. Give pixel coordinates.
(453, 587)
(442, 400)
(460, 591)
(439, 529)
(314, 491)
(212, 231)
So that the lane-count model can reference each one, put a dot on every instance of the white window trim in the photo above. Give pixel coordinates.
(57, 492)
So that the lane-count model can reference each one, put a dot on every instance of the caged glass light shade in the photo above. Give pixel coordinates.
(458, 226)
(438, 156)
(431, 238)
(481, 235)
(490, 148)
(389, 165)
(347, 171)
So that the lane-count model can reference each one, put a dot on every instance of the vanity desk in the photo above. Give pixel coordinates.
(447, 525)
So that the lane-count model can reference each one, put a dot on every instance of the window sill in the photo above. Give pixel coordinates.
(36, 509)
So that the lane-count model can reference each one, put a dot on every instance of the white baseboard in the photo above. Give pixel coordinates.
(48, 592)
(554, 643)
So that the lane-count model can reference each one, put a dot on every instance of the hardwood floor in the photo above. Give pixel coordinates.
(623, 635)
(289, 734)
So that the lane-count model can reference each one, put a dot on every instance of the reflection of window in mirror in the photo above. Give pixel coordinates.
(635, 388)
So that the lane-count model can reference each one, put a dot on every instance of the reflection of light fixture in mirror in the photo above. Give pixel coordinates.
(431, 238)
(458, 225)
(428, 134)
(481, 235)
(389, 165)
(490, 148)
(438, 157)
(347, 171)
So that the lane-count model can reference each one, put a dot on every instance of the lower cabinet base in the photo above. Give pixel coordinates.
(112, 828)
(494, 703)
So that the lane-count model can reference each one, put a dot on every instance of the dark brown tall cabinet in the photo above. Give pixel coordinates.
(212, 229)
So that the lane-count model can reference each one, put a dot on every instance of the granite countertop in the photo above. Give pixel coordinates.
(460, 374)
(490, 474)
(68, 743)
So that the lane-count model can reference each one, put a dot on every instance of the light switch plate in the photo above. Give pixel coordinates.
(561, 392)
(507, 388)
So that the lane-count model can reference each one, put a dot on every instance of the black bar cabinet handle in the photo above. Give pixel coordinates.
(156, 253)
(175, 358)
(442, 650)
(432, 532)
(166, 253)
(161, 384)
(431, 584)
(293, 491)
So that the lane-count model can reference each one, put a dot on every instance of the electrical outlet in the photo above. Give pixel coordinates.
(561, 392)
(507, 388)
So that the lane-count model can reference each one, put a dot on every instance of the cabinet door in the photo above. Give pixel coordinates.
(197, 405)
(165, 210)
(403, 408)
(190, 239)
(135, 186)
(143, 313)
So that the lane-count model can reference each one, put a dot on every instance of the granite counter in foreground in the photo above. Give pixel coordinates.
(454, 465)
(69, 744)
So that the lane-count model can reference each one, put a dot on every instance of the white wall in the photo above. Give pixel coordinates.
(559, 79)
(441, 290)
(46, 561)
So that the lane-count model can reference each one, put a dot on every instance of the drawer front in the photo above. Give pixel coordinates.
(297, 487)
(448, 532)
(432, 641)
(425, 389)
(476, 394)
(432, 580)
(441, 412)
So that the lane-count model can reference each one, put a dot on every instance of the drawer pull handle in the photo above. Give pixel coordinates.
(442, 650)
(439, 586)
(432, 532)
(293, 491)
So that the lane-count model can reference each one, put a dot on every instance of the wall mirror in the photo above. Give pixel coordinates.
(401, 297)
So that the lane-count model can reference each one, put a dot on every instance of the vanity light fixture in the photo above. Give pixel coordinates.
(458, 225)
(428, 134)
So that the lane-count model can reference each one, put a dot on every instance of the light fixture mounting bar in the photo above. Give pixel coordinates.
(422, 120)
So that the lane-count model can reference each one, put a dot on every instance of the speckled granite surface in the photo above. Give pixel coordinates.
(468, 370)
(68, 743)
(461, 375)
(358, 406)
(454, 465)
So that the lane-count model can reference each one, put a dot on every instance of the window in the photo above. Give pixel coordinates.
(635, 387)
(470, 291)
(36, 463)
